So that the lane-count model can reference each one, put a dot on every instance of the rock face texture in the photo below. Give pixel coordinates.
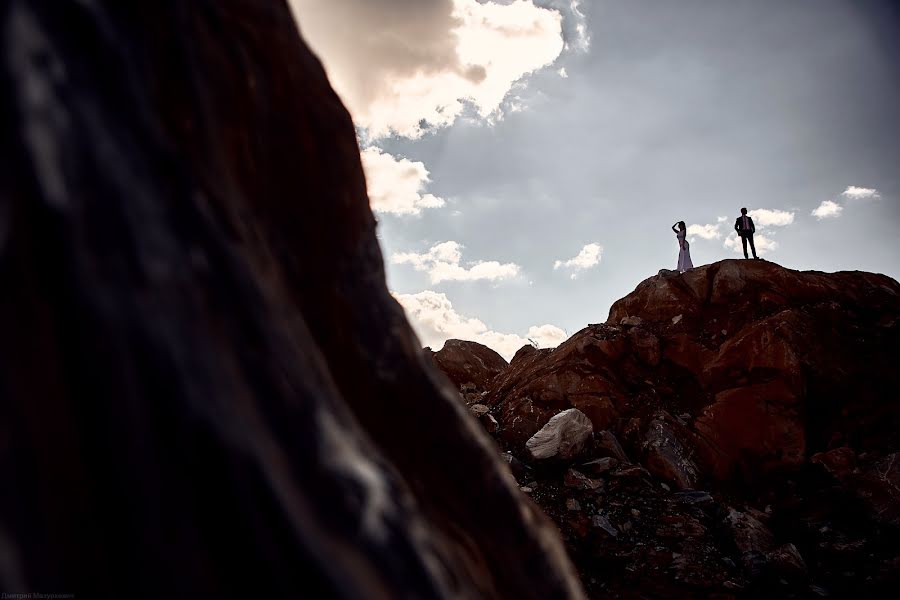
(760, 408)
(205, 388)
(469, 363)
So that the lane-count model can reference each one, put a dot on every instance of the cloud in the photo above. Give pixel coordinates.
(766, 217)
(828, 209)
(763, 244)
(707, 232)
(435, 321)
(404, 66)
(589, 257)
(563, 73)
(860, 193)
(396, 185)
(442, 263)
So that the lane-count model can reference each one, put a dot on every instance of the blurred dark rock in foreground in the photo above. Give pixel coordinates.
(760, 406)
(205, 387)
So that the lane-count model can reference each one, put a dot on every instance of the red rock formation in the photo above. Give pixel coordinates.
(205, 388)
(775, 390)
(770, 363)
(469, 363)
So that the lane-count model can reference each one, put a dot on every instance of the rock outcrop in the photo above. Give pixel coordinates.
(205, 388)
(760, 408)
(469, 365)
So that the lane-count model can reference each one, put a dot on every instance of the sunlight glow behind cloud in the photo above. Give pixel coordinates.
(435, 321)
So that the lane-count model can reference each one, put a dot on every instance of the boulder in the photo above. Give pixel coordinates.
(750, 536)
(564, 437)
(668, 457)
(465, 362)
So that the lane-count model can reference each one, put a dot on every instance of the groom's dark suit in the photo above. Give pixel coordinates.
(745, 228)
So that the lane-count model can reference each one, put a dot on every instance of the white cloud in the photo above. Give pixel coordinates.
(707, 232)
(397, 185)
(563, 73)
(589, 257)
(435, 321)
(763, 244)
(766, 217)
(722, 219)
(828, 209)
(860, 193)
(402, 66)
(442, 263)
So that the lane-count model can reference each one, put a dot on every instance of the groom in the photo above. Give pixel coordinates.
(745, 228)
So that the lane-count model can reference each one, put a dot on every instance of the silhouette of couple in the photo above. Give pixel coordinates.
(743, 226)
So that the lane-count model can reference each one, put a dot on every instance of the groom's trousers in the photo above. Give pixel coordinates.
(744, 240)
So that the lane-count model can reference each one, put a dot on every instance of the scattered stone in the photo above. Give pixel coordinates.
(786, 561)
(516, 466)
(601, 522)
(576, 479)
(601, 466)
(632, 321)
(607, 445)
(572, 504)
(695, 497)
(479, 410)
(752, 539)
(490, 423)
(667, 458)
(838, 462)
(665, 487)
(564, 437)
(676, 319)
(526, 489)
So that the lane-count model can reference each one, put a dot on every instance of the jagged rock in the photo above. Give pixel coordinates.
(578, 480)
(695, 497)
(207, 389)
(786, 561)
(479, 410)
(878, 487)
(516, 466)
(601, 466)
(564, 437)
(606, 444)
(838, 462)
(645, 346)
(750, 536)
(466, 362)
(490, 423)
(667, 457)
(604, 524)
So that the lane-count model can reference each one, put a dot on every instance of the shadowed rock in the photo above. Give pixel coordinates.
(470, 363)
(205, 388)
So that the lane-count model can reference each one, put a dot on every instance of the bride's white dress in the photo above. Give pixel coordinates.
(684, 254)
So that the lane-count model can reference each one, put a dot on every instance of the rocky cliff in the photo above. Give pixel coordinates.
(741, 440)
(206, 390)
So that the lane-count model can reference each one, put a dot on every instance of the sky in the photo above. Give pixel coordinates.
(526, 159)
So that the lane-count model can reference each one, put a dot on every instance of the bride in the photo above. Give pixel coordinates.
(684, 252)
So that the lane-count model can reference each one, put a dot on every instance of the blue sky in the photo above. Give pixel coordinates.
(526, 159)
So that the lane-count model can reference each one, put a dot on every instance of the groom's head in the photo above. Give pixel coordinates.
(743, 211)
